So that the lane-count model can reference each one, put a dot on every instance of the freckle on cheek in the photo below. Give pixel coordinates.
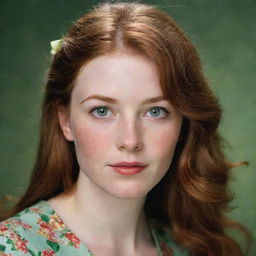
(91, 141)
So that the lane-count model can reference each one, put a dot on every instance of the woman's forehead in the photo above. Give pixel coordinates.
(119, 72)
(117, 62)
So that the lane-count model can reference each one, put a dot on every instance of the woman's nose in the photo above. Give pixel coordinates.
(129, 136)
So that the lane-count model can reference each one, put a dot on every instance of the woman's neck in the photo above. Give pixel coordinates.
(94, 215)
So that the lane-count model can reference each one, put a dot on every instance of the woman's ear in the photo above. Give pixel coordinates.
(64, 121)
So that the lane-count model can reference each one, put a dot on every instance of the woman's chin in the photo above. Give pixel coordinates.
(128, 192)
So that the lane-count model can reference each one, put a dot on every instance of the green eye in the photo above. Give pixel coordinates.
(99, 111)
(155, 111)
(102, 111)
(158, 112)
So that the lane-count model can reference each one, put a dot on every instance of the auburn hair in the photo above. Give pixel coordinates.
(193, 196)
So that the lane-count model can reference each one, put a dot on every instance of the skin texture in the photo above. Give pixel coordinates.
(126, 130)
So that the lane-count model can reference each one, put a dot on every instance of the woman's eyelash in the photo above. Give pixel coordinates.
(106, 107)
(98, 107)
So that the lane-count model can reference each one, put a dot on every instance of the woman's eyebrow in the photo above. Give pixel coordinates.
(115, 101)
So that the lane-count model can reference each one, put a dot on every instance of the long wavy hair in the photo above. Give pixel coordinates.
(192, 197)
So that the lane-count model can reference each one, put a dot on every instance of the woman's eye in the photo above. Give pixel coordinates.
(100, 111)
(159, 112)
(104, 112)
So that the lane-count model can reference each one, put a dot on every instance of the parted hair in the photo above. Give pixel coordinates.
(192, 198)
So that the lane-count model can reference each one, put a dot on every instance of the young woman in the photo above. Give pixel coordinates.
(129, 161)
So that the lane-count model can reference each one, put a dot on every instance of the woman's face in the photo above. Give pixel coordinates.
(118, 114)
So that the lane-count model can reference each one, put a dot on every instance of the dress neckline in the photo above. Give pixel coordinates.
(83, 246)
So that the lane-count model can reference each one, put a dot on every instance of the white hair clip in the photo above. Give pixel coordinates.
(56, 46)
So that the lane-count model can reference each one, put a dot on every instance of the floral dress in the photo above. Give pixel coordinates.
(39, 231)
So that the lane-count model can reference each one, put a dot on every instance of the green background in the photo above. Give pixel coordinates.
(224, 31)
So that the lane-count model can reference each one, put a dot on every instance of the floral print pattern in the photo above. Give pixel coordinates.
(39, 231)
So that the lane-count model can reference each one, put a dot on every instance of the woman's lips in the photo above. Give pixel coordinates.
(128, 170)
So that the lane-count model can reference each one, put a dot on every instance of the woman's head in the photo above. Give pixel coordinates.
(133, 29)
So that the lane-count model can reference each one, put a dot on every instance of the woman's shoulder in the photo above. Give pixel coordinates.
(20, 233)
(165, 240)
(36, 231)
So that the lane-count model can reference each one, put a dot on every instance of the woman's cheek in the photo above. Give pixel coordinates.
(91, 141)
(164, 143)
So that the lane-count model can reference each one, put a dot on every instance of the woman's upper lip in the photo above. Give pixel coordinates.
(128, 164)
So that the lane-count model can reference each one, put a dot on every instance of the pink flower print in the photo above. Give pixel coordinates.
(73, 239)
(46, 230)
(18, 243)
(24, 225)
(56, 223)
(17, 223)
(48, 253)
(3, 228)
(21, 245)
(13, 236)
(36, 210)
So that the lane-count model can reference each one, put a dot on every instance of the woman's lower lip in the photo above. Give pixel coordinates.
(125, 170)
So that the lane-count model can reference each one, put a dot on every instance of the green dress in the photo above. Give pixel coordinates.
(39, 231)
